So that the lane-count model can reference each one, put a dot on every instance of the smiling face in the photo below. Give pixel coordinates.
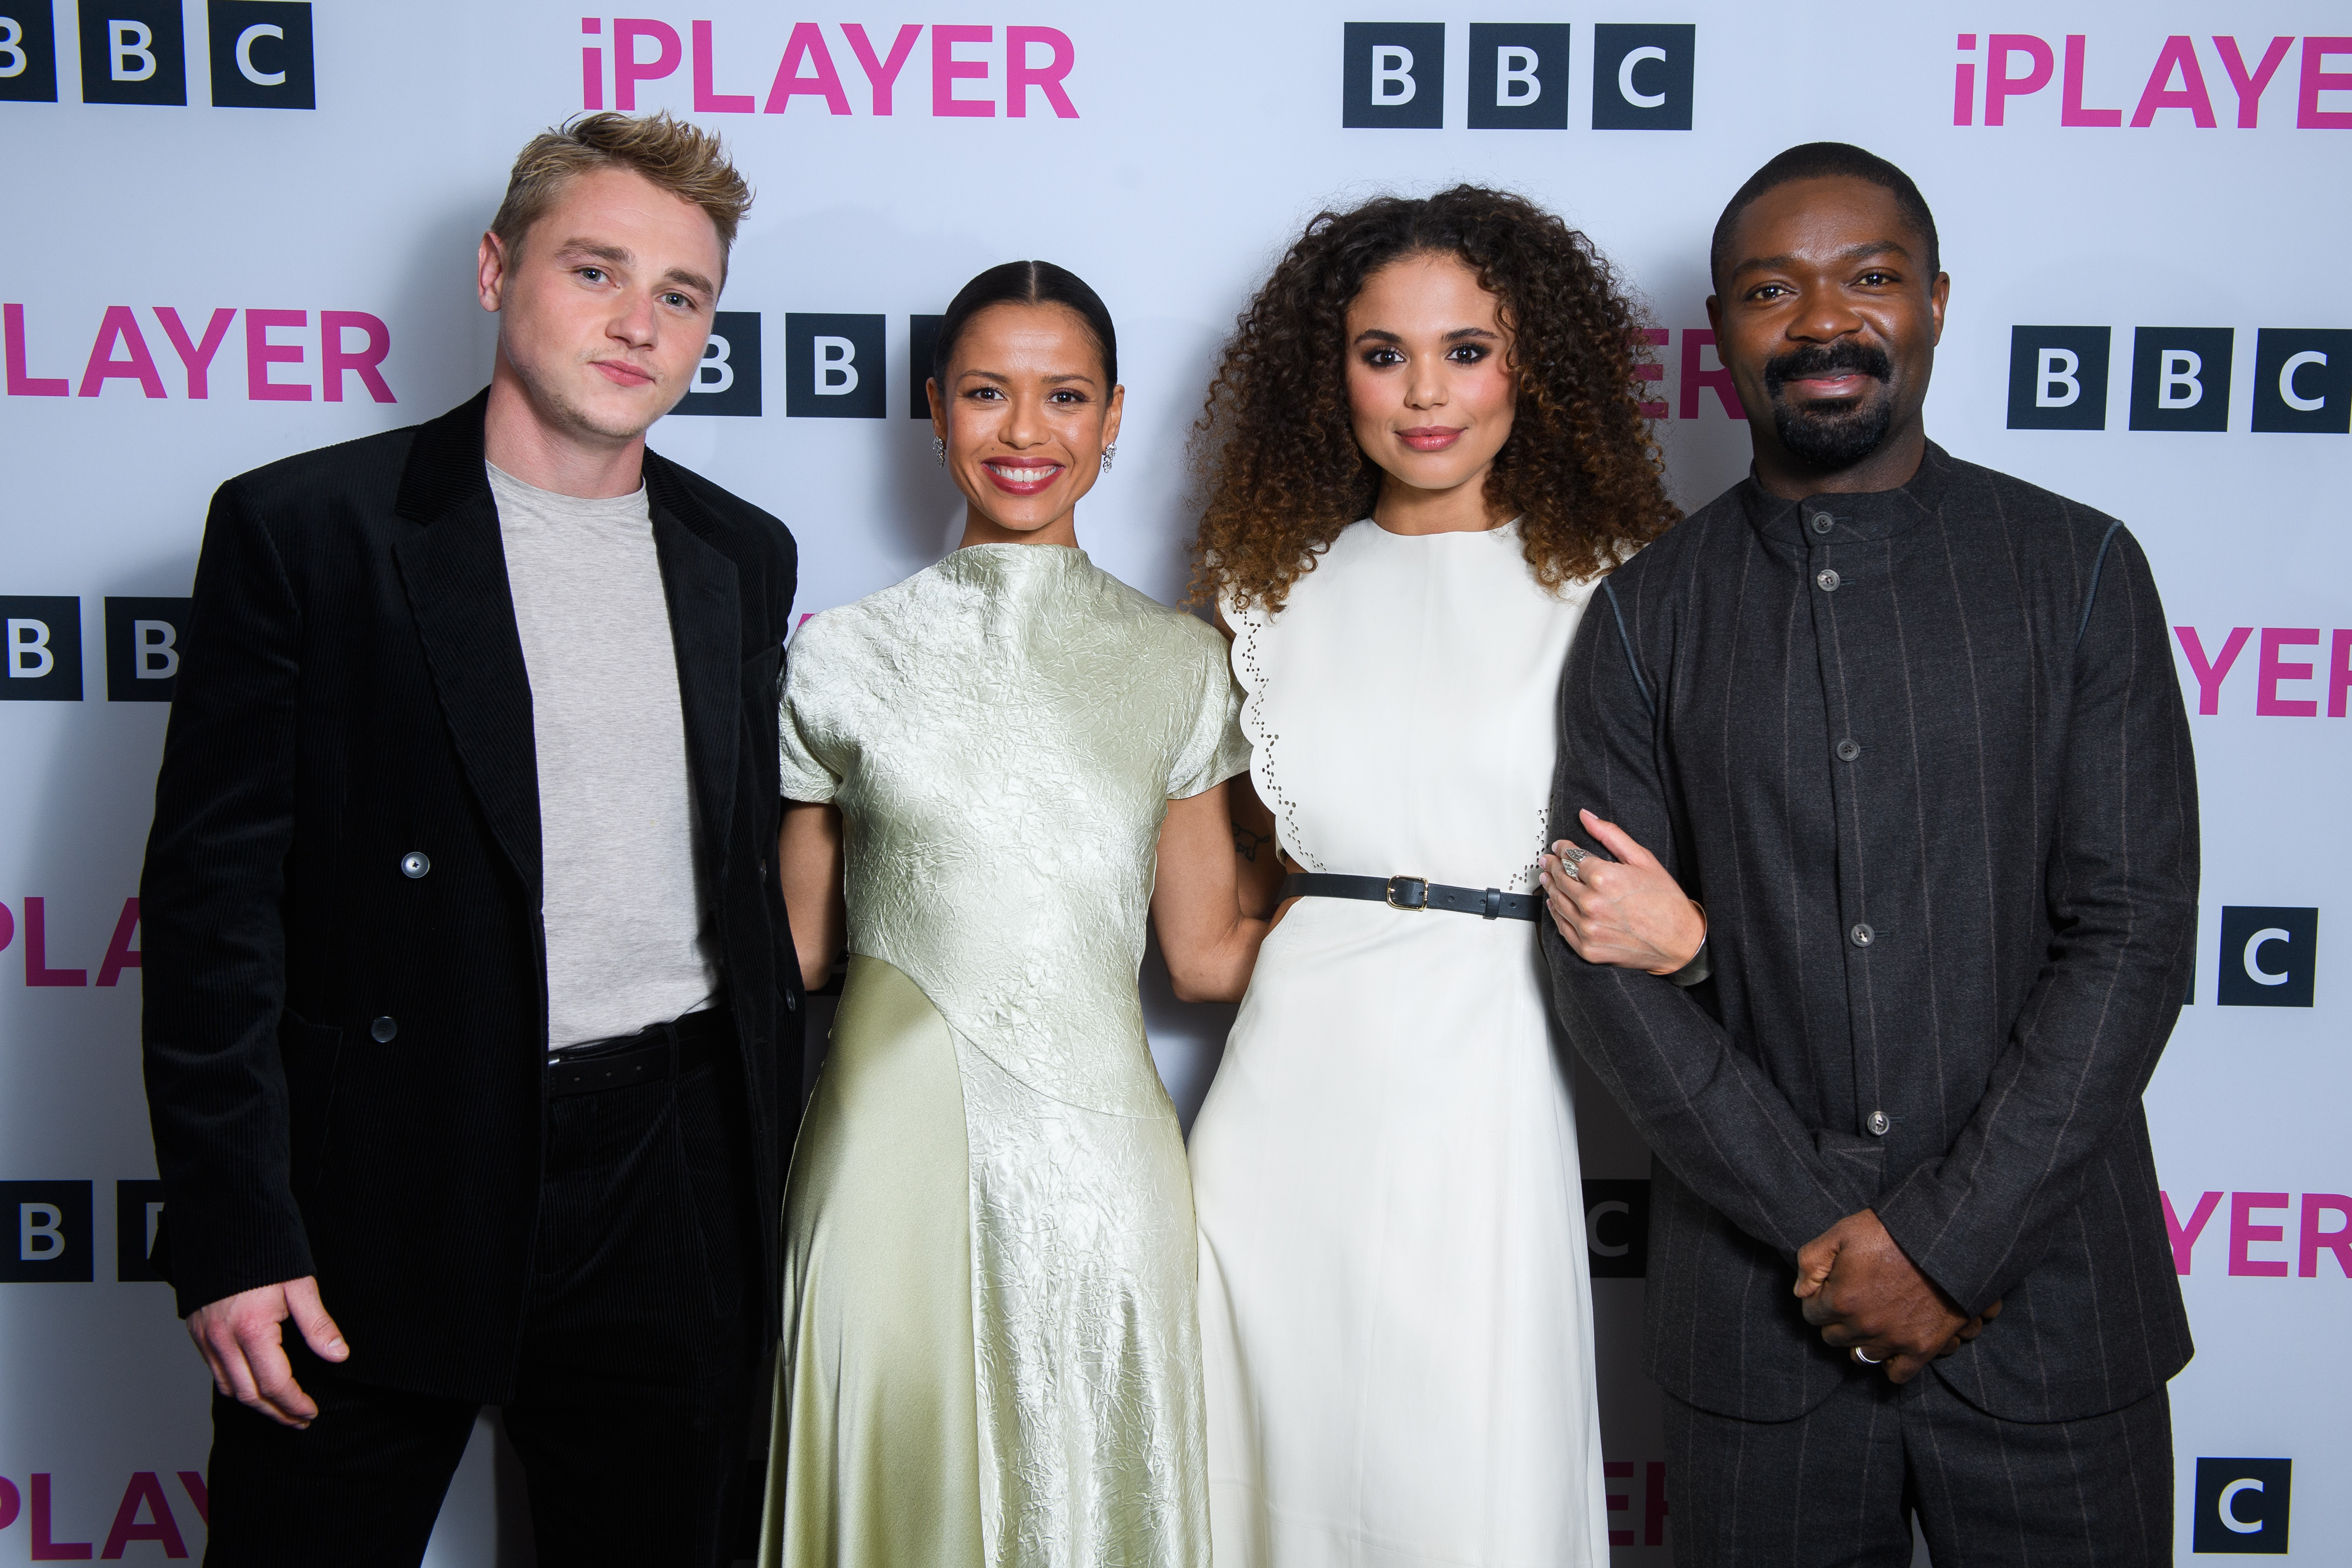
(1829, 319)
(1430, 388)
(606, 305)
(1025, 415)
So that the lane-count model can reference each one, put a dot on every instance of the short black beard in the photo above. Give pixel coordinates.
(1831, 435)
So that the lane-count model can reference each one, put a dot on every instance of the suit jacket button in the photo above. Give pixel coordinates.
(383, 1030)
(1820, 522)
(1861, 935)
(1828, 579)
(1878, 1122)
(1848, 750)
(415, 863)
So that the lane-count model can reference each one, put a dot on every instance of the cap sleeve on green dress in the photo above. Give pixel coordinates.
(1216, 749)
(801, 733)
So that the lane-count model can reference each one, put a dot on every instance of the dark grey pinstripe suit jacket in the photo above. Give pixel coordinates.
(1981, 923)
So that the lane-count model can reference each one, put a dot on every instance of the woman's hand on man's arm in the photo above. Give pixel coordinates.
(1628, 912)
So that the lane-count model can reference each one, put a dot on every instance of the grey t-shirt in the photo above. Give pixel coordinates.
(624, 941)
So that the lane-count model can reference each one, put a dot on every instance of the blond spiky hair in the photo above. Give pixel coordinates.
(684, 160)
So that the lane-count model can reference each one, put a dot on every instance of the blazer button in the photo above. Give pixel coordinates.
(1848, 750)
(1820, 521)
(383, 1030)
(1827, 579)
(415, 863)
(1862, 936)
(1878, 1122)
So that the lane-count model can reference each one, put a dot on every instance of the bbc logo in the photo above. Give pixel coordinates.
(40, 658)
(135, 51)
(49, 1236)
(2180, 378)
(2241, 1506)
(1393, 76)
(834, 367)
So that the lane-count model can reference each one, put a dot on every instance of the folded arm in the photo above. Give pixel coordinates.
(1705, 1108)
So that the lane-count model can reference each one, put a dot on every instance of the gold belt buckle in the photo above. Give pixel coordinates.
(1390, 892)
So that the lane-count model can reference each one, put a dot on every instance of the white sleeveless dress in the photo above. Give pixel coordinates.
(1396, 1315)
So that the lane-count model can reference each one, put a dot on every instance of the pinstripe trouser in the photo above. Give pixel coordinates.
(1837, 1488)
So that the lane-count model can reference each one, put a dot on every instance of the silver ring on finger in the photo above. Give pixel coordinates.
(1866, 1360)
(1570, 858)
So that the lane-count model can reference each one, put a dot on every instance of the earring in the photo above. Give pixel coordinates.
(1109, 453)
(940, 450)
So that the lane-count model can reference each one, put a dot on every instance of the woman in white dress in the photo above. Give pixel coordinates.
(1424, 446)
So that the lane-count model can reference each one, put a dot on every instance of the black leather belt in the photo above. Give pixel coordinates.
(1414, 892)
(644, 1057)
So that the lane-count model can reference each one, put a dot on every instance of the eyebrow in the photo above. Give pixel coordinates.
(621, 255)
(1849, 254)
(1000, 377)
(1382, 335)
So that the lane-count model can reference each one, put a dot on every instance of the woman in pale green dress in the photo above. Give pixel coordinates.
(1006, 761)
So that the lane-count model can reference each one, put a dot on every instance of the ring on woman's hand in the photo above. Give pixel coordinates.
(1571, 857)
(1867, 1360)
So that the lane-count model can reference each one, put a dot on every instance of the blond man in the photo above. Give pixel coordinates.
(469, 1046)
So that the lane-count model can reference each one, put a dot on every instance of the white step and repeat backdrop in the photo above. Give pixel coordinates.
(238, 228)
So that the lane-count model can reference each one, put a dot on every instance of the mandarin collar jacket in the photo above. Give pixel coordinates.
(343, 1060)
(1922, 756)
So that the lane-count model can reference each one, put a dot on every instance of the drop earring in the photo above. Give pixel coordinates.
(940, 450)
(1109, 453)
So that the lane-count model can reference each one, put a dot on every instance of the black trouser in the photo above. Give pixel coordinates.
(1839, 1485)
(637, 1370)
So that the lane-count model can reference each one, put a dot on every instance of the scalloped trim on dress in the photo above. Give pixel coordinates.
(1246, 623)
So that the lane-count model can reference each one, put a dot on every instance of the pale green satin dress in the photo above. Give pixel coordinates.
(990, 1355)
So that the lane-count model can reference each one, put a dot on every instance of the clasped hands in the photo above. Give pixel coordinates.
(1865, 1295)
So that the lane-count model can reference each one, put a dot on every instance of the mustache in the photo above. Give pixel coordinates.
(1826, 359)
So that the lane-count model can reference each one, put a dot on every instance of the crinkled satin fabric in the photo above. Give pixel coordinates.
(1002, 733)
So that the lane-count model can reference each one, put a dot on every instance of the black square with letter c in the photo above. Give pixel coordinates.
(2241, 1506)
(2270, 956)
(1642, 74)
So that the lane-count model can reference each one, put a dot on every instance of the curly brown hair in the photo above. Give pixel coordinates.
(1274, 448)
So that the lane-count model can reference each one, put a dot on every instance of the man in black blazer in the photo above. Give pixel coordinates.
(472, 1036)
(1908, 728)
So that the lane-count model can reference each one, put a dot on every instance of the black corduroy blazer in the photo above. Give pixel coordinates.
(1922, 755)
(343, 1061)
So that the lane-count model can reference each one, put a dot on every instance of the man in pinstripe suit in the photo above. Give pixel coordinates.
(1909, 729)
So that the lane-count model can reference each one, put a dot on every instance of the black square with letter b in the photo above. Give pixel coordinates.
(1393, 75)
(48, 1231)
(727, 379)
